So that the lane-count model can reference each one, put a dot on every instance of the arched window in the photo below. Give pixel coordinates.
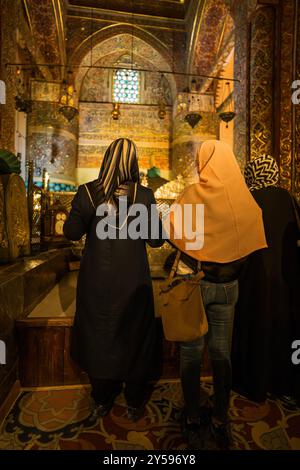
(126, 86)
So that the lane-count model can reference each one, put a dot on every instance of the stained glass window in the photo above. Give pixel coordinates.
(126, 86)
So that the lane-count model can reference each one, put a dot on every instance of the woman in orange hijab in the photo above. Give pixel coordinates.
(233, 228)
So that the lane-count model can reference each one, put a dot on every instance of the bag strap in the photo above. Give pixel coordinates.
(175, 266)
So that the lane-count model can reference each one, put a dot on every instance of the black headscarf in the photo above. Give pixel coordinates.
(119, 170)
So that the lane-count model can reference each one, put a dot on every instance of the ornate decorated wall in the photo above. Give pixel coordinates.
(288, 132)
(212, 40)
(8, 54)
(137, 122)
(261, 72)
(186, 141)
(52, 140)
(140, 122)
(262, 33)
(274, 65)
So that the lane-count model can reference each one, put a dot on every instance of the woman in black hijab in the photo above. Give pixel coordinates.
(267, 318)
(114, 334)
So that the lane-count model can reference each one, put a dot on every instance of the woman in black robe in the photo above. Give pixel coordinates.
(267, 318)
(114, 334)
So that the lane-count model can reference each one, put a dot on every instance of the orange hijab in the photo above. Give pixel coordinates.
(233, 224)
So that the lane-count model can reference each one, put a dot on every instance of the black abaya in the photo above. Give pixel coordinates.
(267, 318)
(114, 333)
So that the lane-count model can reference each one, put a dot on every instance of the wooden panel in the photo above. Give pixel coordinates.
(72, 372)
(45, 322)
(45, 355)
(41, 356)
(50, 355)
(28, 356)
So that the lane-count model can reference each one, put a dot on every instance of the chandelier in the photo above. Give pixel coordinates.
(193, 117)
(229, 115)
(67, 108)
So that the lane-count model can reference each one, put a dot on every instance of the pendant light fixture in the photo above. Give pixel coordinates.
(228, 116)
(193, 117)
(67, 108)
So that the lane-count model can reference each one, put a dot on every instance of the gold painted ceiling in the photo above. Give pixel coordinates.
(160, 8)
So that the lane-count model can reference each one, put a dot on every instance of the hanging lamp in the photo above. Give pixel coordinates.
(228, 116)
(67, 108)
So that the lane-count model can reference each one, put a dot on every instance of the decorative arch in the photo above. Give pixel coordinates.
(110, 31)
(140, 123)
(100, 55)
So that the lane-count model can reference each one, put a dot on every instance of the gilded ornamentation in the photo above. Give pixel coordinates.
(140, 123)
(210, 32)
(296, 173)
(46, 20)
(285, 95)
(261, 83)
(186, 140)
(52, 141)
(110, 49)
(240, 13)
(17, 221)
(8, 55)
(3, 234)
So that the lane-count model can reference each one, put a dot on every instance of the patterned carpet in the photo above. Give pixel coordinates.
(60, 419)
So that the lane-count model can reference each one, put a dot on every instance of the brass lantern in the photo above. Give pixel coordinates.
(162, 111)
(67, 108)
(116, 111)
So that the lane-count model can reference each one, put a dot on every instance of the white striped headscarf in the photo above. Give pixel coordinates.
(261, 172)
(119, 166)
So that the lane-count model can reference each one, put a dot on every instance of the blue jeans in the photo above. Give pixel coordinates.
(219, 301)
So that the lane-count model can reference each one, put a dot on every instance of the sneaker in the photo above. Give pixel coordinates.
(192, 433)
(222, 435)
(135, 413)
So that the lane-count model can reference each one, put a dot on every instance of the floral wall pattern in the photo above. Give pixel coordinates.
(261, 76)
(287, 39)
(137, 122)
(52, 142)
(8, 55)
(186, 141)
(296, 165)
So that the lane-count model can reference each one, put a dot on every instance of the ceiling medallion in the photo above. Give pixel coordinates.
(193, 119)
